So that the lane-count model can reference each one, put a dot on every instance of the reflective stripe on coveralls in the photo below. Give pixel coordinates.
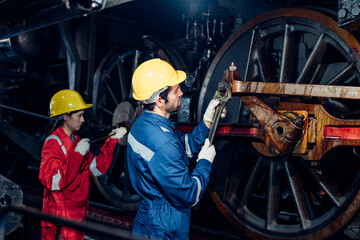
(158, 170)
(93, 168)
(139, 148)
(187, 146)
(147, 154)
(71, 199)
(57, 177)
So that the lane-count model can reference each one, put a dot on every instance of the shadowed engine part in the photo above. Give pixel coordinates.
(39, 45)
(11, 193)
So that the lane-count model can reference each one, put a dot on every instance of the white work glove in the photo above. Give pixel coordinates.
(83, 146)
(118, 133)
(207, 152)
(210, 110)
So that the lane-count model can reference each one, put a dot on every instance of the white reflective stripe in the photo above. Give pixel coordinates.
(199, 189)
(59, 142)
(54, 137)
(139, 148)
(56, 181)
(187, 146)
(165, 129)
(64, 149)
(93, 168)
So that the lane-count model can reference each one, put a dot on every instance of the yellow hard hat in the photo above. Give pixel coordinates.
(66, 101)
(153, 75)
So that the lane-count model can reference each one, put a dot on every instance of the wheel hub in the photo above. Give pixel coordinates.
(248, 183)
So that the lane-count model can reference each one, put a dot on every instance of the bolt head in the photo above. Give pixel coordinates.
(342, 13)
(355, 11)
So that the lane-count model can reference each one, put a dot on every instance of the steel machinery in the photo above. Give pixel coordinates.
(287, 164)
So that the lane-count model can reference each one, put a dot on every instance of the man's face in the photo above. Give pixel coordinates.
(75, 120)
(174, 99)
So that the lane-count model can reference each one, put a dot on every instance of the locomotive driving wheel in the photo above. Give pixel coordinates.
(113, 104)
(285, 196)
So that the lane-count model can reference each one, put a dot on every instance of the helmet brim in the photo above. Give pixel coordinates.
(181, 77)
(87, 105)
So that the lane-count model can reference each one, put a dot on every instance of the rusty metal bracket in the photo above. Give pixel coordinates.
(283, 133)
(310, 139)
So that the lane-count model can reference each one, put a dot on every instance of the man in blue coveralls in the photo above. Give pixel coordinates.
(158, 154)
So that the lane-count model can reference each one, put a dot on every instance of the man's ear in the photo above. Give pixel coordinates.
(159, 102)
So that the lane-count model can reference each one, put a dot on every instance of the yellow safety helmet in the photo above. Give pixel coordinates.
(153, 75)
(66, 101)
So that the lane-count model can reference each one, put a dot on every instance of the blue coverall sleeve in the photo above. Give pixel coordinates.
(181, 188)
(193, 141)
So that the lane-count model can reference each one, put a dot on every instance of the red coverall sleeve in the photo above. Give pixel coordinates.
(57, 170)
(100, 164)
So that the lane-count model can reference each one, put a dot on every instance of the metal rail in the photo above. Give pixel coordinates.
(121, 219)
(105, 231)
(26, 112)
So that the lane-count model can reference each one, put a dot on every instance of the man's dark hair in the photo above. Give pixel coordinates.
(163, 95)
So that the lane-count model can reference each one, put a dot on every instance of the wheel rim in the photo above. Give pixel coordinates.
(112, 89)
(277, 197)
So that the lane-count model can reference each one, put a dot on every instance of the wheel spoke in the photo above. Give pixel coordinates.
(123, 88)
(327, 187)
(298, 193)
(136, 60)
(319, 73)
(313, 60)
(135, 64)
(343, 75)
(114, 166)
(287, 61)
(273, 198)
(251, 184)
(110, 91)
(250, 62)
(104, 109)
(263, 62)
(125, 181)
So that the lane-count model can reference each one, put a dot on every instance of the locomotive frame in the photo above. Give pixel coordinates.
(266, 195)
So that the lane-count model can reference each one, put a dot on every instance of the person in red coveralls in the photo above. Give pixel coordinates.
(66, 164)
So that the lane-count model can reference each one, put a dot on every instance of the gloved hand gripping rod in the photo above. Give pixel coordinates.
(223, 93)
(127, 125)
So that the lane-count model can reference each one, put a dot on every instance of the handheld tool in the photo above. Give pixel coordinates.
(223, 94)
(126, 124)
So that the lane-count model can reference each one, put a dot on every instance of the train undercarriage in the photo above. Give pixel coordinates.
(270, 180)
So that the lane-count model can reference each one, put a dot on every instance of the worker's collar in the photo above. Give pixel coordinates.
(157, 118)
(62, 134)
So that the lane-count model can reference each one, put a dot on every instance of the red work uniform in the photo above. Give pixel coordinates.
(64, 174)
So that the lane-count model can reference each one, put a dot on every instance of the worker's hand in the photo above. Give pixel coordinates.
(210, 110)
(118, 133)
(207, 151)
(83, 146)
